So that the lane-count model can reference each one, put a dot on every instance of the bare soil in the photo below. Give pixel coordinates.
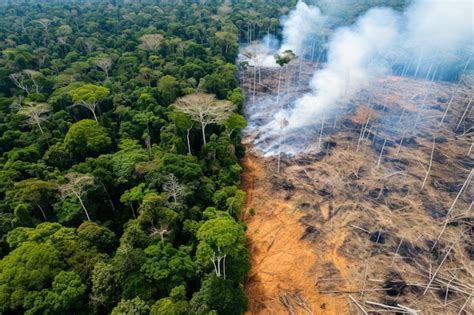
(282, 265)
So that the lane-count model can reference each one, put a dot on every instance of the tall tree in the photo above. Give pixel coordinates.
(205, 109)
(174, 189)
(151, 42)
(77, 186)
(89, 96)
(35, 114)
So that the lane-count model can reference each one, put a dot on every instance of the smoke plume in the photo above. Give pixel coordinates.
(427, 39)
(300, 27)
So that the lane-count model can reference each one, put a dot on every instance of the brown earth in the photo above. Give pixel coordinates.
(283, 266)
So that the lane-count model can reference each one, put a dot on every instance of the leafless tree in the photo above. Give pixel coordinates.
(151, 42)
(283, 124)
(90, 106)
(254, 53)
(189, 142)
(431, 163)
(36, 113)
(205, 109)
(174, 189)
(104, 63)
(27, 80)
(44, 23)
(448, 214)
(76, 186)
(19, 78)
(161, 231)
(381, 154)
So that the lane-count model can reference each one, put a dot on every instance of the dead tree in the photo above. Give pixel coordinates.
(449, 105)
(431, 162)
(161, 231)
(381, 154)
(174, 189)
(187, 138)
(104, 64)
(205, 109)
(283, 60)
(90, 106)
(464, 114)
(151, 42)
(464, 186)
(283, 124)
(77, 186)
(321, 134)
(26, 80)
(45, 23)
(35, 113)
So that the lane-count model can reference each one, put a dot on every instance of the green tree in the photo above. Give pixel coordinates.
(135, 306)
(219, 295)
(218, 238)
(168, 87)
(26, 271)
(175, 304)
(87, 138)
(168, 267)
(38, 194)
(235, 122)
(89, 96)
(105, 285)
(66, 296)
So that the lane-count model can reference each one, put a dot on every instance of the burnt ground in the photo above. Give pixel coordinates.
(347, 223)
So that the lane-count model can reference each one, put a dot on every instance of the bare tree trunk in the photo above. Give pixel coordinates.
(39, 126)
(133, 210)
(400, 145)
(381, 154)
(82, 205)
(223, 265)
(254, 82)
(447, 108)
(279, 85)
(466, 183)
(203, 127)
(189, 143)
(464, 114)
(429, 166)
(95, 117)
(42, 211)
(321, 134)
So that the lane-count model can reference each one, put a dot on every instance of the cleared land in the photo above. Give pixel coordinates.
(374, 214)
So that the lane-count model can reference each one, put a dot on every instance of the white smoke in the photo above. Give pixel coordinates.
(300, 26)
(438, 31)
(353, 60)
(433, 32)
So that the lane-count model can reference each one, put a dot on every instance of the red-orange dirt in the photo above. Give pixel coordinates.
(284, 267)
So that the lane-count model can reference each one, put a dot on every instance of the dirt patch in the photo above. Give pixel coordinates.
(283, 262)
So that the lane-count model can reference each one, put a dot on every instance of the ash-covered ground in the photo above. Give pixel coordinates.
(381, 186)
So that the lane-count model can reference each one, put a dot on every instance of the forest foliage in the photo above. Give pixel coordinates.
(119, 155)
